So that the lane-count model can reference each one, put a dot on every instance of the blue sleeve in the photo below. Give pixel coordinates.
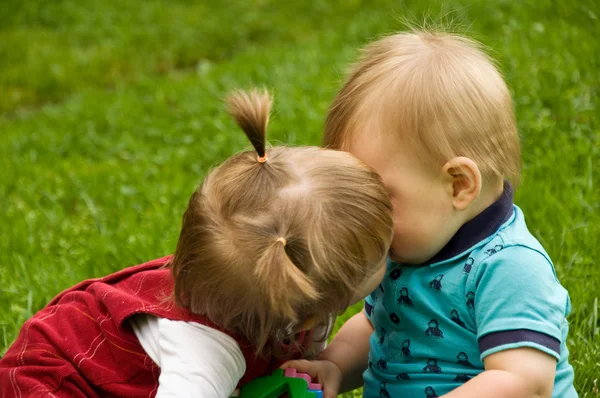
(518, 302)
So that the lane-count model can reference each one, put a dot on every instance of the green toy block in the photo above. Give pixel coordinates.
(276, 385)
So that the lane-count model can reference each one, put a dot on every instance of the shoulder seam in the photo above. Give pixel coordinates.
(471, 280)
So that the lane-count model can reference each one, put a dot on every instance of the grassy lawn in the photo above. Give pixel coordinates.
(110, 115)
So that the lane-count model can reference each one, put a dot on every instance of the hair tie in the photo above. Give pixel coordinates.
(282, 241)
(262, 159)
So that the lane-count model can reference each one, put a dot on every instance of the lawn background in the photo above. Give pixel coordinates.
(110, 115)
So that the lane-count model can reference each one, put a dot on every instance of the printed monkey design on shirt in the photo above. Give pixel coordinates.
(382, 364)
(396, 274)
(430, 393)
(394, 318)
(403, 376)
(436, 283)
(433, 330)
(404, 298)
(381, 288)
(463, 359)
(468, 265)
(405, 350)
(383, 392)
(370, 307)
(454, 317)
(471, 300)
(432, 366)
(381, 336)
(494, 250)
(462, 378)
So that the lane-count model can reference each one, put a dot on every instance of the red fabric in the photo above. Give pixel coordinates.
(80, 346)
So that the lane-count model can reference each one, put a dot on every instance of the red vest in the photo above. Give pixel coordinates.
(79, 345)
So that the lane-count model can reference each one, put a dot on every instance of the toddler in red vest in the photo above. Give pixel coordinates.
(273, 245)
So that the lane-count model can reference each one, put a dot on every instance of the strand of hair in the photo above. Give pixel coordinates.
(250, 110)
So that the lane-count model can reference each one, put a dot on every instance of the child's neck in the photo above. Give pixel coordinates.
(471, 231)
(490, 193)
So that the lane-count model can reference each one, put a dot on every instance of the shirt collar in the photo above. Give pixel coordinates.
(479, 228)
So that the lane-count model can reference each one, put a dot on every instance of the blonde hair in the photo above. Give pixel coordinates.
(437, 92)
(267, 246)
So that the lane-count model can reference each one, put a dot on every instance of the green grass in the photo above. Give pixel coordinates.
(110, 115)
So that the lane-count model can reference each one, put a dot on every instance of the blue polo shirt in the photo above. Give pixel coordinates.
(492, 288)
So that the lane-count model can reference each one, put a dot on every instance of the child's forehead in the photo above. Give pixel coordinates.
(370, 150)
(383, 151)
(370, 138)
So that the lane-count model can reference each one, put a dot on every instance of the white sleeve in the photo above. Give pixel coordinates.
(195, 360)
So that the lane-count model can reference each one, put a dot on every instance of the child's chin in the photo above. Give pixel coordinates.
(404, 258)
(395, 257)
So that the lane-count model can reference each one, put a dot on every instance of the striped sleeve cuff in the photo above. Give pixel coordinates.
(368, 309)
(509, 339)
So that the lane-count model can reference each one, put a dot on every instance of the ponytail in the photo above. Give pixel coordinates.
(287, 286)
(251, 112)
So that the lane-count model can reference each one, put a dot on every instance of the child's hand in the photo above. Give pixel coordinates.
(326, 373)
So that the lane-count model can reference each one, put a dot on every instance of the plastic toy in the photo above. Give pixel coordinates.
(280, 383)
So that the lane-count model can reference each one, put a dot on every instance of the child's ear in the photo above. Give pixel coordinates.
(465, 177)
